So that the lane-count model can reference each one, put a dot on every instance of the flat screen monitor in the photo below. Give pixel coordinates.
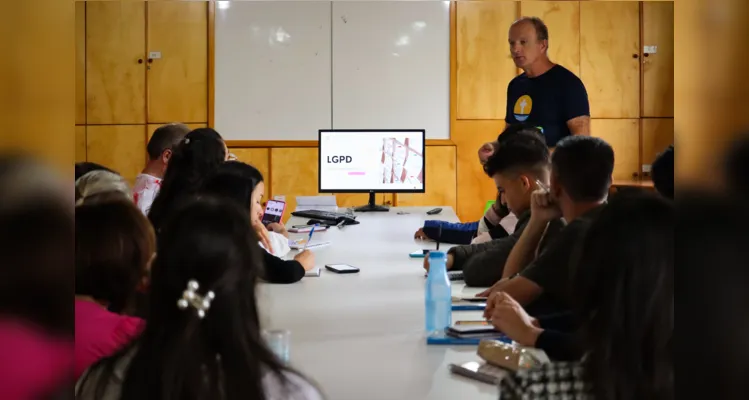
(371, 161)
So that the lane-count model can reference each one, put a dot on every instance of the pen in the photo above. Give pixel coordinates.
(439, 236)
(309, 238)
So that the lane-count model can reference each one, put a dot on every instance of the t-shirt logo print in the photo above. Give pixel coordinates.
(523, 107)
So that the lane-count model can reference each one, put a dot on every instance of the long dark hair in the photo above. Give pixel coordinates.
(233, 180)
(625, 288)
(199, 153)
(179, 355)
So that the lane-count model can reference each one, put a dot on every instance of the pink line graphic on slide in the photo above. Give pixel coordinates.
(357, 173)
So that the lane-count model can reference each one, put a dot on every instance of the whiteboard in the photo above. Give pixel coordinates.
(391, 66)
(272, 69)
(285, 69)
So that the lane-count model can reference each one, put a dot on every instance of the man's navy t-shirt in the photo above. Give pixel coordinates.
(547, 101)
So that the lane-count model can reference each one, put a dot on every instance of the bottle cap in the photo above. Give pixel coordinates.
(437, 254)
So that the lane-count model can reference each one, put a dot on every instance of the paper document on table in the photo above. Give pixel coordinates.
(299, 244)
(322, 203)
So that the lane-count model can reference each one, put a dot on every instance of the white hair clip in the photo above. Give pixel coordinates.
(190, 297)
(187, 140)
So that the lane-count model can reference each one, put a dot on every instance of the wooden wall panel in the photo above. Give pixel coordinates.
(624, 136)
(474, 188)
(484, 64)
(658, 68)
(609, 51)
(115, 81)
(563, 20)
(258, 158)
(120, 147)
(440, 180)
(657, 134)
(80, 63)
(80, 143)
(153, 127)
(178, 82)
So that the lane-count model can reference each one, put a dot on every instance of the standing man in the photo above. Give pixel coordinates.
(545, 95)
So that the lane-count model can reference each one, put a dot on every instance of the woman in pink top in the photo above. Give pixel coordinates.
(114, 245)
(36, 263)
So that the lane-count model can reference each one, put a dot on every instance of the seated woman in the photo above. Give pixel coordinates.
(243, 184)
(101, 185)
(36, 263)
(204, 339)
(193, 158)
(625, 302)
(113, 247)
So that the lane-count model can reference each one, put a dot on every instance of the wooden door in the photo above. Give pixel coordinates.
(115, 62)
(119, 147)
(178, 80)
(484, 64)
(658, 68)
(610, 52)
(80, 63)
(563, 20)
(440, 182)
(657, 135)
(624, 136)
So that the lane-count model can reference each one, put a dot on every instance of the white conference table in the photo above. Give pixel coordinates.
(362, 336)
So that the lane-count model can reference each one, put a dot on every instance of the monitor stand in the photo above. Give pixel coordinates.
(371, 206)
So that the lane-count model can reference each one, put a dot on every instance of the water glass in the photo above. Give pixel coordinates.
(278, 342)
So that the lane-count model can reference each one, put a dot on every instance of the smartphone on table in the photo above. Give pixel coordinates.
(274, 210)
(342, 268)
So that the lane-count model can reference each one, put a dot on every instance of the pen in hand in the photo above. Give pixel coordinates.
(310, 237)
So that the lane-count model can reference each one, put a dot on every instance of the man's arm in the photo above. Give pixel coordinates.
(523, 290)
(576, 109)
(579, 125)
(525, 249)
(484, 268)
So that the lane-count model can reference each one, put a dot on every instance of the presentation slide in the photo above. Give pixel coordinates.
(372, 161)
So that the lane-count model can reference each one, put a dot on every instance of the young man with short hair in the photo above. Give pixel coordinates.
(581, 168)
(518, 164)
(159, 149)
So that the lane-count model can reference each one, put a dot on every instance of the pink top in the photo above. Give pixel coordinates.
(33, 364)
(100, 333)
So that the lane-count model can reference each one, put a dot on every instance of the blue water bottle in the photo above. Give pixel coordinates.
(438, 294)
